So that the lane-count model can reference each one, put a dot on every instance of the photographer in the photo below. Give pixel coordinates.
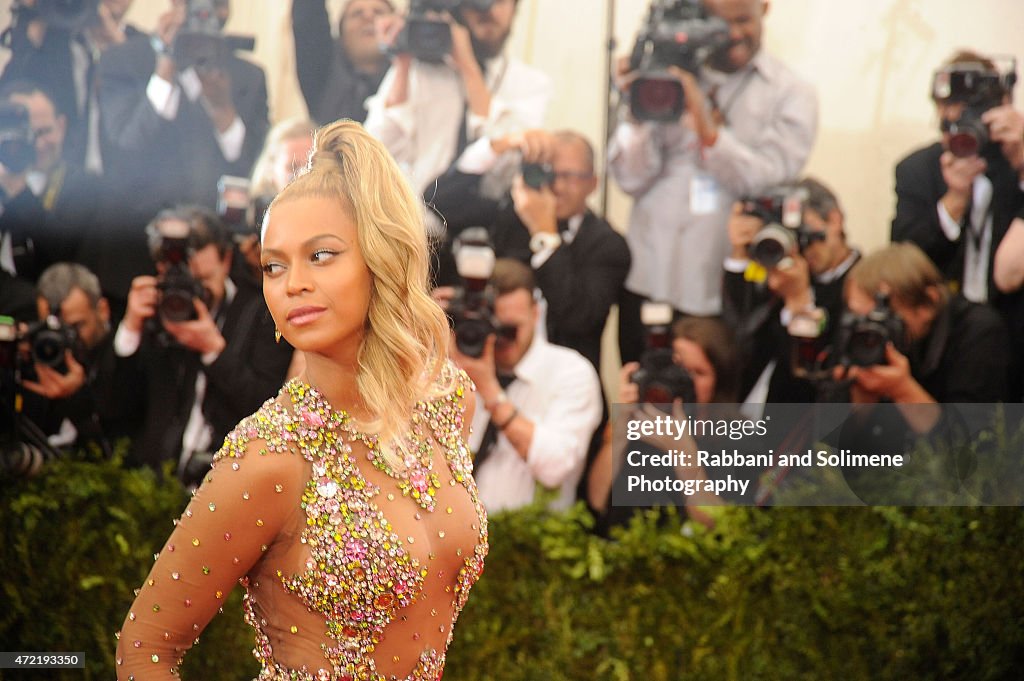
(952, 350)
(748, 124)
(957, 197)
(59, 50)
(337, 76)
(549, 226)
(67, 195)
(194, 353)
(60, 398)
(761, 295)
(705, 349)
(459, 111)
(171, 130)
(537, 404)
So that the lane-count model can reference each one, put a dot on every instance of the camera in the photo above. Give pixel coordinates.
(979, 88)
(24, 448)
(471, 308)
(201, 43)
(238, 208)
(659, 379)
(429, 39)
(537, 175)
(66, 14)
(49, 339)
(862, 338)
(782, 211)
(676, 33)
(178, 288)
(17, 141)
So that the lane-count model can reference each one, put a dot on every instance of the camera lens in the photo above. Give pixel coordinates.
(48, 348)
(867, 348)
(657, 99)
(177, 306)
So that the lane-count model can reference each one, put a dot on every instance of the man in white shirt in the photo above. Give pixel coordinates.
(461, 113)
(538, 404)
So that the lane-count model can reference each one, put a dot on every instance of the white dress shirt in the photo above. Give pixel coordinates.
(422, 133)
(165, 99)
(558, 390)
(684, 193)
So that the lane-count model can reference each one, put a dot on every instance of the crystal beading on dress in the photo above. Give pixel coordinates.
(344, 577)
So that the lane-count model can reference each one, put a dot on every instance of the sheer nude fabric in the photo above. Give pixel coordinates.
(352, 571)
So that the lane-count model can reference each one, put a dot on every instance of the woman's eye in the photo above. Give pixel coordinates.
(322, 255)
(271, 267)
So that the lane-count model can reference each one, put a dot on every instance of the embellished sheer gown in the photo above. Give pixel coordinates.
(353, 571)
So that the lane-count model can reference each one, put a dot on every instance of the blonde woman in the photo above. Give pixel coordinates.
(346, 506)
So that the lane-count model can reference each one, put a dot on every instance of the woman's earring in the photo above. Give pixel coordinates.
(277, 335)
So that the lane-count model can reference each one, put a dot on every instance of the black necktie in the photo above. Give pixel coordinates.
(490, 437)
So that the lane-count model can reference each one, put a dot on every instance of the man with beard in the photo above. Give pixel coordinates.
(749, 124)
(463, 113)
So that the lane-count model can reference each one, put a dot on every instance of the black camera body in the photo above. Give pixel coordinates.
(428, 39)
(201, 43)
(782, 211)
(980, 89)
(537, 175)
(49, 339)
(471, 308)
(677, 33)
(659, 379)
(862, 338)
(17, 141)
(178, 288)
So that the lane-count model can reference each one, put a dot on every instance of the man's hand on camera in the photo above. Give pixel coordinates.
(742, 228)
(463, 57)
(697, 116)
(167, 27)
(958, 174)
(481, 369)
(791, 281)
(892, 380)
(200, 334)
(443, 295)
(54, 385)
(12, 184)
(629, 392)
(535, 207)
(536, 146)
(1006, 126)
(142, 301)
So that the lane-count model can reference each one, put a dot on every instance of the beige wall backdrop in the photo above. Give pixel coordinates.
(871, 61)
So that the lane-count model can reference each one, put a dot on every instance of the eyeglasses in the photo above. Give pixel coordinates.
(569, 175)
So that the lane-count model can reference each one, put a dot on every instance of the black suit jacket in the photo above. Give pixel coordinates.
(51, 65)
(156, 385)
(580, 281)
(753, 312)
(156, 162)
(331, 86)
(919, 186)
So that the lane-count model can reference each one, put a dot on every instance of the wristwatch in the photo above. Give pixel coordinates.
(544, 241)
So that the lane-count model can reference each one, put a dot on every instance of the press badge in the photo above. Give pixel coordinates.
(704, 194)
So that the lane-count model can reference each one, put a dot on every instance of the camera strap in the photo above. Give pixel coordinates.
(723, 111)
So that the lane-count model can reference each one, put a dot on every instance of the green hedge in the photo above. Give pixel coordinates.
(815, 593)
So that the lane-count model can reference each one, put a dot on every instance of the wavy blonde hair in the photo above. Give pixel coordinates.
(404, 349)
